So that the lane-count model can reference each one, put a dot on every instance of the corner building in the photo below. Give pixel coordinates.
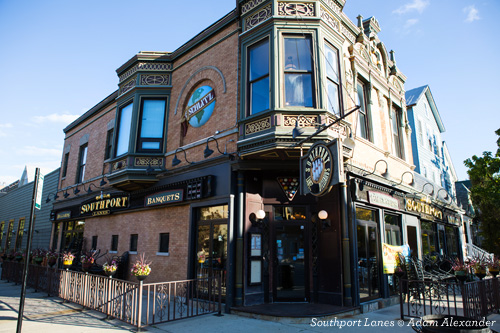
(275, 144)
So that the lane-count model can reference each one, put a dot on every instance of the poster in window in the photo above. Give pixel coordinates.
(255, 271)
(256, 245)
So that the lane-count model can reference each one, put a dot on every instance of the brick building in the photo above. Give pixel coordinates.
(275, 144)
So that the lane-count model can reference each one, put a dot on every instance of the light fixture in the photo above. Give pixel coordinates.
(323, 217)
(257, 218)
(297, 130)
(76, 190)
(89, 190)
(48, 197)
(149, 169)
(385, 173)
(209, 151)
(103, 182)
(176, 161)
(446, 197)
(66, 194)
(402, 176)
(432, 191)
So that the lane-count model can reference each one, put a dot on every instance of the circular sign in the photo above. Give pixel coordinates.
(201, 106)
(318, 169)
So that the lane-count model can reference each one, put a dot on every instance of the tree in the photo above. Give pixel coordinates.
(484, 174)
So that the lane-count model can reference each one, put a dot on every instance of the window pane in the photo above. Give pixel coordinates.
(133, 242)
(298, 90)
(164, 240)
(259, 92)
(333, 98)
(331, 63)
(259, 60)
(150, 145)
(124, 130)
(114, 243)
(213, 213)
(298, 54)
(153, 114)
(362, 126)
(365, 214)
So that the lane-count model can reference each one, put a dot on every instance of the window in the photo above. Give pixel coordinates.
(362, 128)
(396, 132)
(55, 235)
(164, 240)
(151, 127)
(332, 79)
(420, 132)
(109, 144)
(428, 238)
(65, 165)
(429, 138)
(2, 227)
(392, 230)
(114, 243)
(20, 234)
(9, 235)
(133, 243)
(258, 77)
(81, 164)
(125, 123)
(94, 242)
(298, 71)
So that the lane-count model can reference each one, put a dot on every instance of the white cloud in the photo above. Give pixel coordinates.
(472, 14)
(418, 5)
(411, 22)
(7, 125)
(56, 118)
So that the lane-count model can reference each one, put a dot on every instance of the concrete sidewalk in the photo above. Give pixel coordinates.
(50, 314)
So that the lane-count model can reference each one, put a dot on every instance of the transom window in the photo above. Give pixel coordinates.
(332, 79)
(298, 71)
(258, 77)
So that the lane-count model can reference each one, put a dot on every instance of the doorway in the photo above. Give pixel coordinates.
(368, 254)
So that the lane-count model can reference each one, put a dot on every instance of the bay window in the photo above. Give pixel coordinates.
(298, 73)
(258, 77)
(151, 127)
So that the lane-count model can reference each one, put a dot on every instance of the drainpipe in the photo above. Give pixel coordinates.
(239, 241)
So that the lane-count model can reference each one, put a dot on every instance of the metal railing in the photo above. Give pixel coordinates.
(476, 299)
(137, 304)
(474, 251)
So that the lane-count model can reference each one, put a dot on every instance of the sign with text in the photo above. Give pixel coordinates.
(104, 205)
(389, 253)
(163, 198)
(383, 200)
(63, 215)
(39, 189)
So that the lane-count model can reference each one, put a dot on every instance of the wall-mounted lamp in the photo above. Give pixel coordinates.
(402, 178)
(209, 151)
(76, 190)
(257, 218)
(89, 190)
(48, 197)
(149, 169)
(177, 161)
(66, 194)
(446, 196)
(323, 217)
(385, 173)
(103, 182)
(432, 191)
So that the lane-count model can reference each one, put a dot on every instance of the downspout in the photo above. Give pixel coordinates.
(346, 253)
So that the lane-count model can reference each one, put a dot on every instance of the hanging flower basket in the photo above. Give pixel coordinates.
(68, 259)
(141, 268)
(110, 269)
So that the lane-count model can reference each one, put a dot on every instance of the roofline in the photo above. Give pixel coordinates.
(111, 98)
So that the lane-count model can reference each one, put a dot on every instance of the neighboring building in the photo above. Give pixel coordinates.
(435, 168)
(472, 226)
(15, 207)
(208, 160)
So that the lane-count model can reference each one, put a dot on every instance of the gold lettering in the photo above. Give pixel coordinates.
(124, 200)
(177, 195)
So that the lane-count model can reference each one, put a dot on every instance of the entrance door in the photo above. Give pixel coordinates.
(368, 260)
(291, 264)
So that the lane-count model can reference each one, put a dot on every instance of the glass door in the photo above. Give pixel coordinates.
(368, 260)
(290, 275)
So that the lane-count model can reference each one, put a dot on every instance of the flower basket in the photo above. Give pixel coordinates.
(18, 258)
(86, 266)
(38, 260)
(51, 261)
(110, 269)
(87, 261)
(141, 268)
(67, 263)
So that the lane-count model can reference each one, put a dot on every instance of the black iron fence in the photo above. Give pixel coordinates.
(138, 304)
(475, 300)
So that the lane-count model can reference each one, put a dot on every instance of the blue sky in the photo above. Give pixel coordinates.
(58, 59)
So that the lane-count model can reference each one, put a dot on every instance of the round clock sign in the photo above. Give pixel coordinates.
(318, 169)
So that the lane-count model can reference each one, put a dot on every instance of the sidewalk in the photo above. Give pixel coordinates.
(50, 314)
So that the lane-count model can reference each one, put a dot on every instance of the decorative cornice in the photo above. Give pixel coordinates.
(149, 161)
(329, 19)
(250, 5)
(155, 80)
(146, 66)
(296, 9)
(127, 86)
(258, 125)
(259, 17)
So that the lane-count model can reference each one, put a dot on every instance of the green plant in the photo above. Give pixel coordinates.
(141, 267)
